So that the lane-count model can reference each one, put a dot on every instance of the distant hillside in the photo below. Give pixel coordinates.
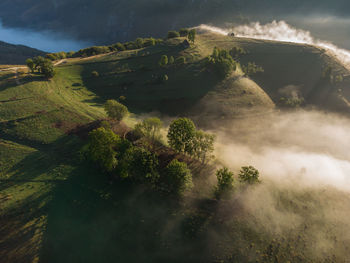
(16, 54)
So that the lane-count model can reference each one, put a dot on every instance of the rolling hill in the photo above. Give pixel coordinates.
(56, 204)
(16, 54)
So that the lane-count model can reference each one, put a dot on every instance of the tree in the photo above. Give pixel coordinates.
(184, 32)
(252, 69)
(221, 62)
(116, 110)
(236, 52)
(47, 69)
(163, 61)
(249, 174)
(192, 35)
(178, 178)
(171, 60)
(181, 134)
(225, 183)
(150, 128)
(202, 145)
(180, 60)
(102, 142)
(173, 34)
(139, 165)
(139, 42)
(30, 64)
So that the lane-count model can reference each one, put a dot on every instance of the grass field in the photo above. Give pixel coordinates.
(55, 207)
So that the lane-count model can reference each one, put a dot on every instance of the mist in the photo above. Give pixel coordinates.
(44, 40)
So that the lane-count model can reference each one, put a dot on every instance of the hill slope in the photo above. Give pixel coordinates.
(55, 205)
(16, 54)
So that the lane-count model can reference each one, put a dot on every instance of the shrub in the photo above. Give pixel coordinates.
(184, 32)
(173, 34)
(178, 178)
(95, 74)
(249, 174)
(163, 61)
(171, 60)
(180, 60)
(116, 110)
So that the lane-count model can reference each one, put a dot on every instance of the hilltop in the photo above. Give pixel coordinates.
(16, 54)
(56, 204)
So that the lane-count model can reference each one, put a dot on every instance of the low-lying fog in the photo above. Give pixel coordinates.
(44, 40)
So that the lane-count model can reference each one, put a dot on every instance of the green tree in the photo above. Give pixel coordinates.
(163, 61)
(202, 145)
(173, 34)
(30, 64)
(116, 110)
(150, 128)
(192, 35)
(225, 184)
(251, 68)
(184, 32)
(181, 134)
(139, 42)
(102, 143)
(47, 69)
(171, 60)
(249, 174)
(178, 178)
(139, 165)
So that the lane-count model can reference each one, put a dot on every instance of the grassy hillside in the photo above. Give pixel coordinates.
(56, 206)
(16, 54)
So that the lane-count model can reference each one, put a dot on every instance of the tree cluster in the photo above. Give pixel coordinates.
(221, 62)
(41, 65)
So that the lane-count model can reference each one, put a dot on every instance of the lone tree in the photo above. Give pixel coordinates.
(225, 182)
(163, 61)
(178, 178)
(47, 69)
(116, 110)
(30, 64)
(249, 174)
(102, 142)
(181, 134)
(192, 35)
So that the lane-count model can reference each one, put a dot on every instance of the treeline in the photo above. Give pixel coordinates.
(136, 157)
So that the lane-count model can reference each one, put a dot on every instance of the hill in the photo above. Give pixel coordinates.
(56, 204)
(16, 54)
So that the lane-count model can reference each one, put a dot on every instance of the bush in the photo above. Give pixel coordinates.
(95, 74)
(225, 183)
(149, 42)
(173, 34)
(249, 174)
(177, 178)
(184, 32)
(119, 47)
(171, 60)
(163, 61)
(116, 110)
(180, 60)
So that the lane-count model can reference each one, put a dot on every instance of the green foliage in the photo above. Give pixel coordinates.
(171, 60)
(237, 52)
(184, 32)
(180, 60)
(251, 68)
(163, 61)
(30, 64)
(116, 110)
(249, 174)
(181, 134)
(92, 51)
(165, 78)
(192, 35)
(45, 67)
(202, 145)
(149, 42)
(221, 62)
(139, 165)
(139, 42)
(177, 178)
(225, 184)
(150, 128)
(95, 74)
(119, 47)
(291, 102)
(173, 34)
(102, 142)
